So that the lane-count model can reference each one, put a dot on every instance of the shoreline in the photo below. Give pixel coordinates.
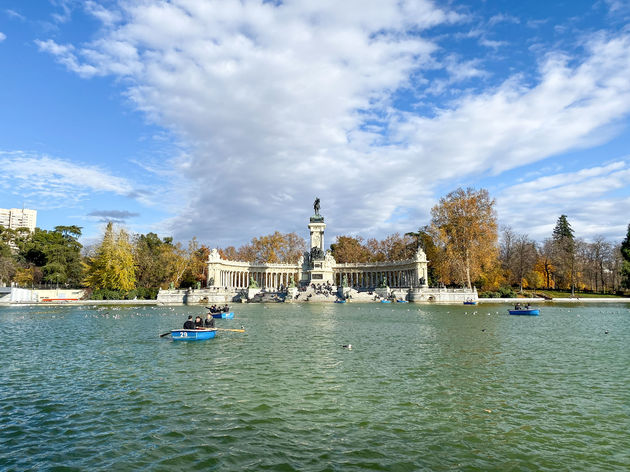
(480, 301)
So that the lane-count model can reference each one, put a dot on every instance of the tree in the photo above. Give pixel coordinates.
(196, 269)
(150, 259)
(278, 248)
(464, 225)
(349, 249)
(112, 265)
(273, 248)
(57, 253)
(564, 253)
(398, 248)
(625, 265)
(524, 259)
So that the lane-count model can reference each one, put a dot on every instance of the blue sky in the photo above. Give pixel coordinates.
(224, 120)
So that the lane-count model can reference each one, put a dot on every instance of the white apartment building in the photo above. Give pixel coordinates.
(18, 218)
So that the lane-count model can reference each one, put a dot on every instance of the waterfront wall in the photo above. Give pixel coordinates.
(27, 295)
(442, 295)
(196, 296)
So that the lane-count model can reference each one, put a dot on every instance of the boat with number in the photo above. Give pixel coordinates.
(525, 311)
(193, 334)
(229, 315)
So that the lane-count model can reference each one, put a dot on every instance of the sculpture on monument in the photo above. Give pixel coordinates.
(316, 206)
(383, 283)
(317, 254)
(253, 283)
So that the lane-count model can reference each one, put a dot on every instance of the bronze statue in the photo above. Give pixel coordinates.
(316, 206)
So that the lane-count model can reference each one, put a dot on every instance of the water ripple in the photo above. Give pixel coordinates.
(91, 388)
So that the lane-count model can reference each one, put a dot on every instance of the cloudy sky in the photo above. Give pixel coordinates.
(224, 120)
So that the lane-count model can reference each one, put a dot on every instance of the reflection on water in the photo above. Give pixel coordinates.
(433, 387)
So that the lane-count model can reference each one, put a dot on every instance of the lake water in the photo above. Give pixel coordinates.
(424, 387)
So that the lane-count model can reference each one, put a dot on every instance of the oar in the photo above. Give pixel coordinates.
(165, 334)
(233, 330)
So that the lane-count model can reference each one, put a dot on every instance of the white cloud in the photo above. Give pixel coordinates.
(13, 14)
(278, 104)
(2, 36)
(66, 56)
(54, 182)
(588, 197)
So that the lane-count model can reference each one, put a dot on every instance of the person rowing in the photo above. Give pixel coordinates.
(209, 322)
(189, 324)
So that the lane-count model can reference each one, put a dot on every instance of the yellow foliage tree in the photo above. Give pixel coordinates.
(112, 265)
(464, 225)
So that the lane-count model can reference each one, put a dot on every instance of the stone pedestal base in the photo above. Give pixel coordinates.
(382, 292)
(291, 294)
(252, 292)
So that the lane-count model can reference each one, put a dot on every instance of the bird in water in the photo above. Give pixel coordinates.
(347, 346)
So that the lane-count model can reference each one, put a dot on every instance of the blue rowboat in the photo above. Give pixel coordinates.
(386, 301)
(225, 316)
(193, 334)
(470, 302)
(340, 301)
(402, 301)
(525, 311)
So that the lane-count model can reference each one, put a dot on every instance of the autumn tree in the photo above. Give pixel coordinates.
(111, 266)
(398, 248)
(544, 265)
(195, 272)
(464, 225)
(278, 248)
(523, 260)
(273, 248)
(349, 249)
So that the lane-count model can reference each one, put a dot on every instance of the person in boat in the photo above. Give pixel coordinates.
(209, 322)
(198, 322)
(189, 324)
(517, 306)
(226, 309)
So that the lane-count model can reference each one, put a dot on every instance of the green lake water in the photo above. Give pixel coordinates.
(424, 387)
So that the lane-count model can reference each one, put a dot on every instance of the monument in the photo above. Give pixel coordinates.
(319, 262)
(318, 277)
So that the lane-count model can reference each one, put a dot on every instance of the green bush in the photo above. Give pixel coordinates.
(507, 292)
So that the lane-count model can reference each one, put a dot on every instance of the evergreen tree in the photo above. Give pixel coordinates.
(625, 265)
(564, 252)
(563, 229)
